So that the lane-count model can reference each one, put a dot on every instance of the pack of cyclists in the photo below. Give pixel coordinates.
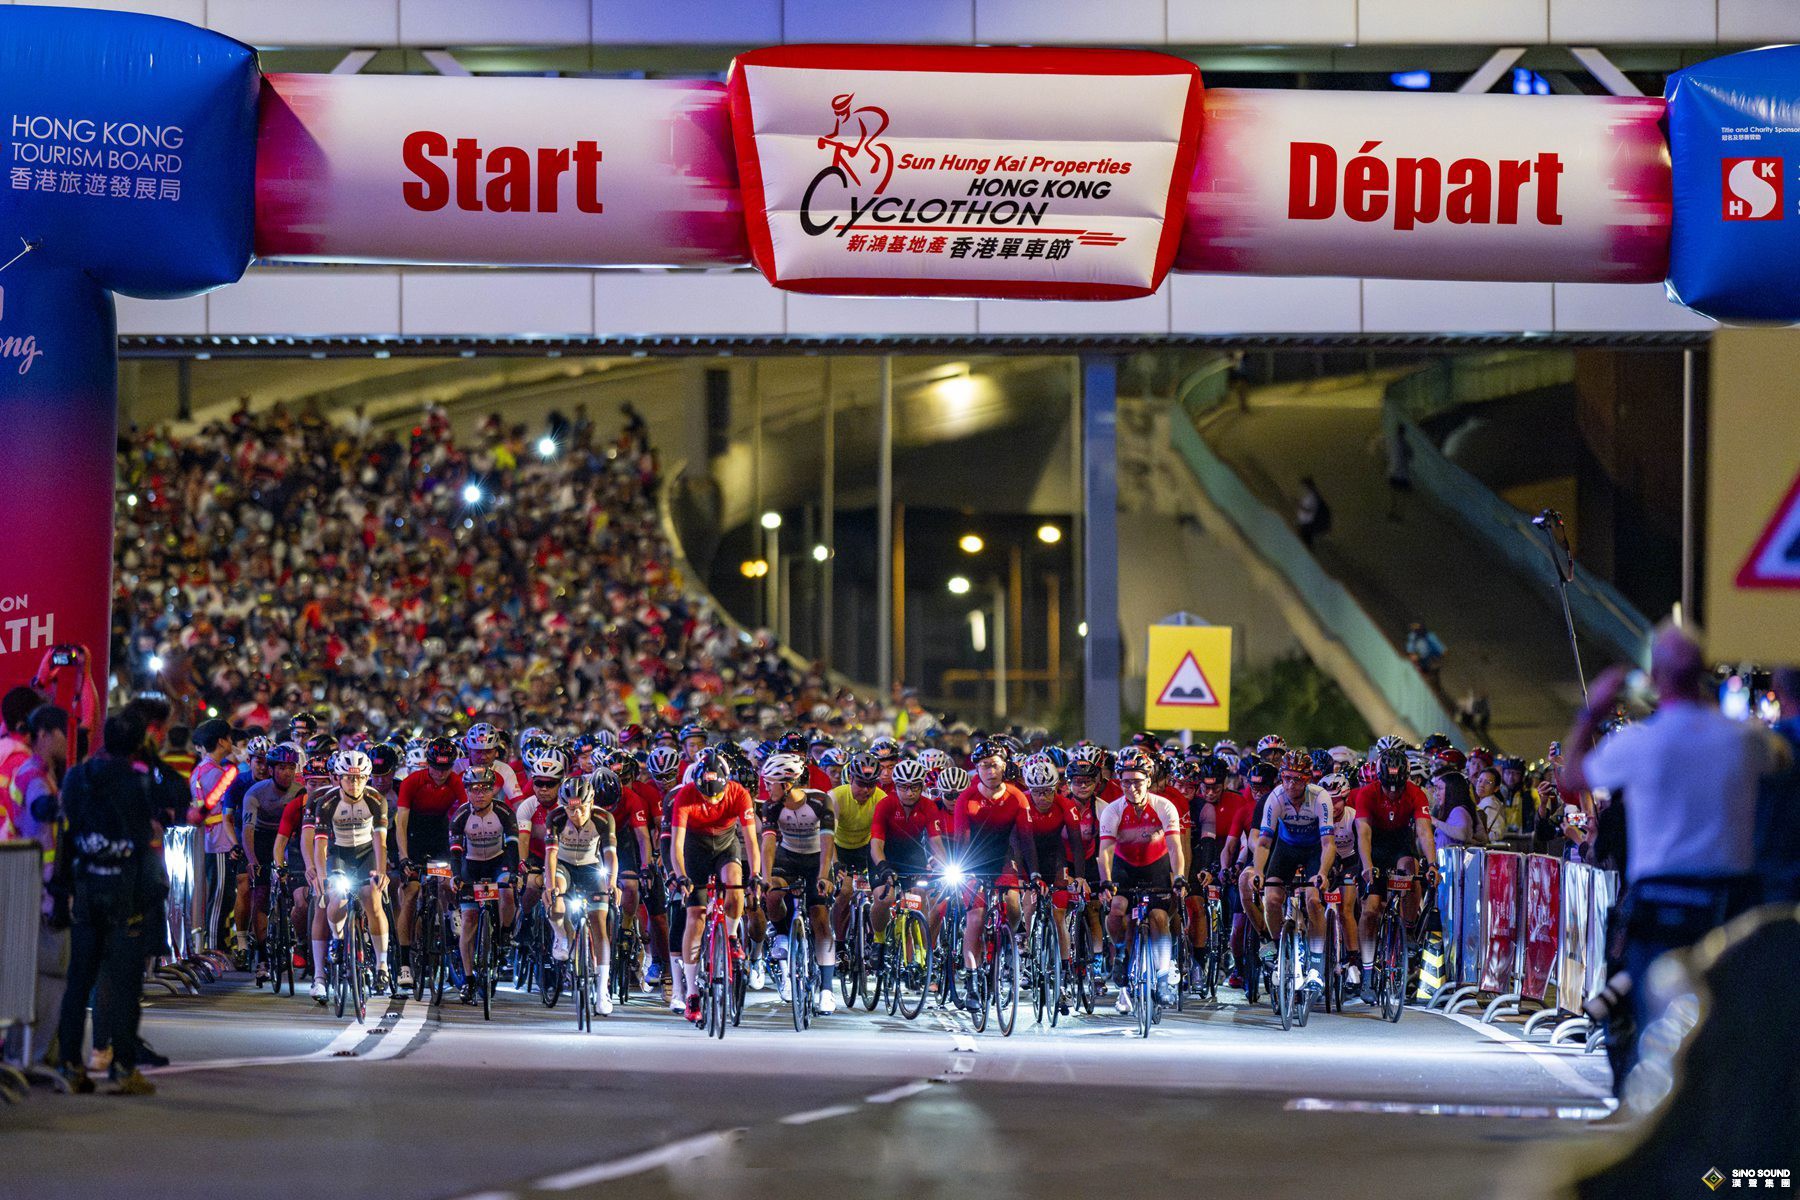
(615, 856)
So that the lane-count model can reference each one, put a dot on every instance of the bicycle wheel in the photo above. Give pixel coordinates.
(800, 971)
(1393, 967)
(1333, 973)
(339, 982)
(625, 960)
(584, 982)
(1184, 968)
(1252, 961)
(718, 981)
(357, 991)
(871, 956)
(1035, 974)
(1081, 953)
(977, 999)
(912, 970)
(484, 961)
(1006, 982)
(1282, 994)
(850, 960)
(1303, 993)
(1139, 980)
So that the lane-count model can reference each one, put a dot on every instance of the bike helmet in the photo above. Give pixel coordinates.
(578, 789)
(1385, 743)
(950, 783)
(302, 726)
(607, 787)
(864, 768)
(1296, 763)
(1435, 742)
(1336, 784)
(620, 762)
(1417, 769)
(549, 762)
(481, 777)
(1059, 758)
(885, 750)
(1133, 758)
(319, 749)
(1322, 763)
(991, 748)
(1039, 773)
(440, 752)
(1263, 774)
(1211, 771)
(910, 771)
(1370, 772)
(604, 739)
(932, 759)
(257, 747)
(285, 754)
(738, 765)
(384, 758)
(1270, 742)
(1391, 770)
(791, 742)
(784, 768)
(1233, 763)
(663, 762)
(691, 731)
(711, 772)
(481, 736)
(832, 760)
(632, 734)
(1143, 739)
(351, 762)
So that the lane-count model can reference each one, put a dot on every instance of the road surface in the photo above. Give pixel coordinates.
(272, 1097)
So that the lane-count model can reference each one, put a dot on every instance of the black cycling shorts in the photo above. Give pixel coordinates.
(1388, 846)
(862, 858)
(587, 880)
(357, 862)
(1158, 874)
(1287, 860)
(799, 870)
(707, 855)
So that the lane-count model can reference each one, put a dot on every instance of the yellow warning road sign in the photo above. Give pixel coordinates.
(1752, 568)
(1187, 684)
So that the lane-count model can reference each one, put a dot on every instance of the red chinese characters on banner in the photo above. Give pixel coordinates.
(1501, 915)
(1543, 923)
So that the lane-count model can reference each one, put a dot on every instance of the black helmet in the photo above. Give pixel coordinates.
(1263, 774)
(607, 788)
(711, 772)
(440, 752)
(384, 758)
(319, 749)
(1394, 770)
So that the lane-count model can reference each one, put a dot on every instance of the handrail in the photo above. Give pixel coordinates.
(1381, 663)
(1600, 610)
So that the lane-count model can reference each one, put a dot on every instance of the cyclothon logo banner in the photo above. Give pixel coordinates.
(1751, 189)
(953, 171)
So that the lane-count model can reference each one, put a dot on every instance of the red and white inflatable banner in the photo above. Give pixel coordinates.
(567, 172)
(1408, 186)
(964, 171)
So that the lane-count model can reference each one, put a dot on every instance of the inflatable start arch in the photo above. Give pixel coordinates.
(153, 158)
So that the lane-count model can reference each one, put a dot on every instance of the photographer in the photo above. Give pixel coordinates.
(106, 890)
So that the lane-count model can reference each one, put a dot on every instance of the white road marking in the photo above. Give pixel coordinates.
(899, 1093)
(396, 1036)
(492, 1196)
(1535, 1112)
(400, 1034)
(819, 1114)
(637, 1164)
(1550, 1062)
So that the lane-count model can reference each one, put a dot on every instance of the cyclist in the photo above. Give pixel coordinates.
(984, 827)
(636, 817)
(943, 789)
(797, 860)
(481, 747)
(1393, 831)
(906, 836)
(581, 856)
(713, 832)
(1294, 847)
(1050, 832)
(546, 770)
(484, 848)
(428, 798)
(1202, 781)
(352, 838)
(1347, 867)
(263, 807)
(853, 810)
(1140, 846)
(319, 750)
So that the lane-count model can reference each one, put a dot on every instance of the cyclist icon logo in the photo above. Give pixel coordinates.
(855, 139)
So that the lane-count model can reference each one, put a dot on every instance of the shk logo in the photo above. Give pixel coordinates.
(1752, 189)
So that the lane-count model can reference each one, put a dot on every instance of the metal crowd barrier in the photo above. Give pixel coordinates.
(21, 901)
(189, 962)
(1522, 929)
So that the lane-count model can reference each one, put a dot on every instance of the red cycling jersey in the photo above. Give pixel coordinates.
(1232, 817)
(290, 817)
(1038, 829)
(986, 823)
(1387, 813)
(423, 798)
(715, 817)
(905, 834)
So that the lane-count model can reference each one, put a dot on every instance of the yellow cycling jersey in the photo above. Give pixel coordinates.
(853, 819)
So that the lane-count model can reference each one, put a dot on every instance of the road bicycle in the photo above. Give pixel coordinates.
(1288, 994)
(858, 976)
(279, 940)
(581, 957)
(1391, 964)
(433, 939)
(486, 895)
(908, 958)
(350, 957)
(627, 944)
(1085, 958)
(1333, 969)
(803, 976)
(722, 978)
(996, 980)
(1044, 960)
(1218, 943)
(1140, 967)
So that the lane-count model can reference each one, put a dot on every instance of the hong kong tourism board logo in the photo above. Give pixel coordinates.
(1752, 189)
(16, 348)
(1743, 1177)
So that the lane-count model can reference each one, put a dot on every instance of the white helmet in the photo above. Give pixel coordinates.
(784, 768)
(1336, 784)
(1040, 773)
(351, 762)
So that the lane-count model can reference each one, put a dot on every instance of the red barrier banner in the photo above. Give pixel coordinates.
(555, 172)
(1543, 923)
(1397, 186)
(1500, 915)
(964, 171)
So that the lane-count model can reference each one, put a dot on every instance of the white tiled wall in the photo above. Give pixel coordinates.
(374, 302)
(428, 23)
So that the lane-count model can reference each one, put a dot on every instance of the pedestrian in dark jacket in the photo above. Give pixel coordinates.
(107, 889)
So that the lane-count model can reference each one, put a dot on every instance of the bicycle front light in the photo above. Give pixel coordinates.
(577, 906)
(954, 875)
(339, 883)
